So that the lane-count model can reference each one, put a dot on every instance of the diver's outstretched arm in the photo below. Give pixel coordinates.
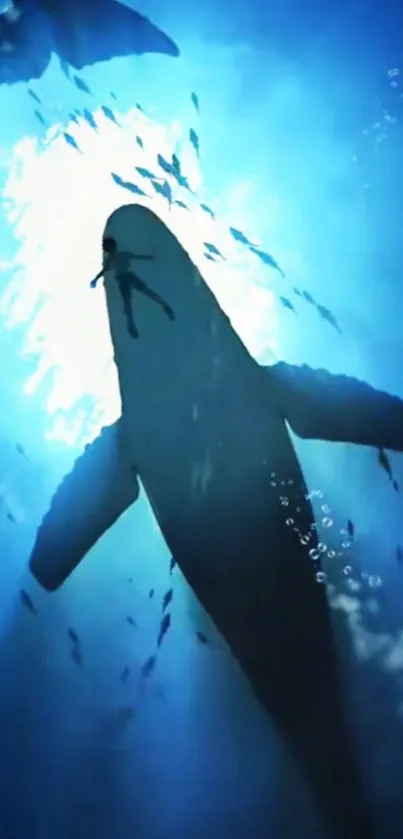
(100, 487)
(322, 406)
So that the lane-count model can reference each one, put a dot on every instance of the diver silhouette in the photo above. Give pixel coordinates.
(120, 262)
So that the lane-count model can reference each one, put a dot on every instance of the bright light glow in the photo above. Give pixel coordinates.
(58, 200)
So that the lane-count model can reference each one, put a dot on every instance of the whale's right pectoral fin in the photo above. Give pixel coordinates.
(321, 406)
(101, 486)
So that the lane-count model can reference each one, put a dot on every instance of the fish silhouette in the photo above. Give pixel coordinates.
(79, 32)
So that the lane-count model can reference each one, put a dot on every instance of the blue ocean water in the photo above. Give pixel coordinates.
(299, 120)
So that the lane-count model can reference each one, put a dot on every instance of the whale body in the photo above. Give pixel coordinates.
(205, 429)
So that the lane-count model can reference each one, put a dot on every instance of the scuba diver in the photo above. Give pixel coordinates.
(120, 263)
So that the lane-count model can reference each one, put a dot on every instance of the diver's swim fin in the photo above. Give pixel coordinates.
(89, 500)
(319, 405)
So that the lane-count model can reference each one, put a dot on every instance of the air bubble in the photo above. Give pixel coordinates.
(331, 554)
(290, 483)
(325, 508)
(284, 501)
(305, 540)
(314, 554)
(347, 570)
(320, 577)
(374, 581)
(322, 548)
(273, 483)
(327, 521)
(289, 522)
(352, 585)
(346, 544)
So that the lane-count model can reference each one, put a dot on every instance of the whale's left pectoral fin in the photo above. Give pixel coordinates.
(101, 486)
(319, 405)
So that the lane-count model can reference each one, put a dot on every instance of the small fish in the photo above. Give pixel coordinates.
(183, 182)
(27, 601)
(163, 189)
(172, 564)
(207, 210)
(113, 95)
(109, 114)
(164, 626)
(167, 599)
(308, 297)
(350, 528)
(139, 108)
(266, 259)
(71, 141)
(327, 315)
(145, 173)
(131, 621)
(210, 258)
(11, 517)
(21, 450)
(90, 119)
(149, 666)
(151, 593)
(194, 141)
(125, 674)
(77, 656)
(139, 141)
(384, 462)
(82, 85)
(195, 101)
(287, 304)
(73, 117)
(172, 170)
(73, 636)
(34, 96)
(176, 166)
(212, 249)
(165, 165)
(65, 68)
(181, 204)
(40, 118)
(202, 637)
(127, 184)
(239, 236)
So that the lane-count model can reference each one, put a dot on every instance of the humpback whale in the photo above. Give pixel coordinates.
(79, 32)
(205, 429)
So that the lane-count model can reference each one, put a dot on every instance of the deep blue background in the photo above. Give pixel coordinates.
(289, 96)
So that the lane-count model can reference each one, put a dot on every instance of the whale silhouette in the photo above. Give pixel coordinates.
(205, 429)
(79, 32)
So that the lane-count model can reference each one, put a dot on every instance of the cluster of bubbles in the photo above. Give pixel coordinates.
(322, 549)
